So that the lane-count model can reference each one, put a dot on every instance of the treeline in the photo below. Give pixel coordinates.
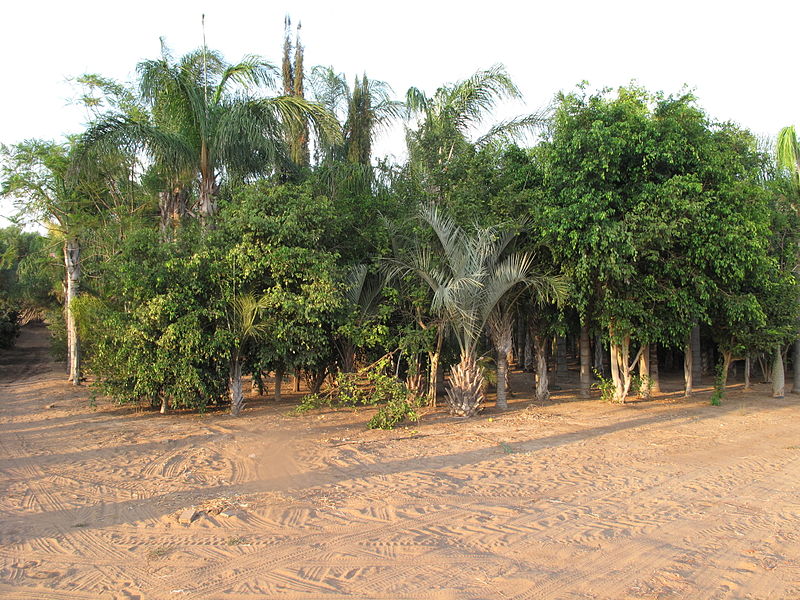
(218, 220)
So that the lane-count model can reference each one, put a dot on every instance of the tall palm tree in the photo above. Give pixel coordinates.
(205, 121)
(446, 119)
(789, 152)
(364, 110)
(469, 274)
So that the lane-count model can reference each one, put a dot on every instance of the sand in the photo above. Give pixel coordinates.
(666, 498)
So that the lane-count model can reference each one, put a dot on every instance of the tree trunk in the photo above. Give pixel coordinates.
(164, 405)
(501, 327)
(747, 386)
(796, 367)
(528, 352)
(561, 360)
(316, 380)
(777, 374)
(542, 391)
(297, 381)
(434, 356)
(586, 360)
(465, 392)
(727, 357)
(235, 387)
(278, 395)
(697, 351)
(208, 188)
(655, 383)
(644, 372)
(72, 262)
(620, 369)
(172, 208)
(688, 369)
(599, 355)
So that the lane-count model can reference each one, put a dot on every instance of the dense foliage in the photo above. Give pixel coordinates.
(213, 222)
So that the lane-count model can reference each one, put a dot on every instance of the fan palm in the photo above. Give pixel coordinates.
(469, 274)
(204, 120)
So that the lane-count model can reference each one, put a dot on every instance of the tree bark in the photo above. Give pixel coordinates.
(208, 188)
(655, 383)
(796, 367)
(561, 360)
(586, 360)
(747, 386)
(297, 381)
(501, 327)
(235, 387)
(528, 364)
(688, 369)
(434, 356)
(278, 394)
(599, 357)
(778, 382)
(542, 391)
(465, 392)
(697, 350)
(164, 405)
(644, 372)
(72, 262)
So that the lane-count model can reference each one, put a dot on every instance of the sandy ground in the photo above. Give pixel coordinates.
(669, 498)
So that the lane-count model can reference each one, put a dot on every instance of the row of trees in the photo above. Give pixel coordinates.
(212, 228)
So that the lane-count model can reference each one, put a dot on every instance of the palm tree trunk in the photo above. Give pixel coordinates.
(465, 392)
(208, 188)
(561, 360)
(586, 362)
(502, 374)
(501, 328)
(542, 389)
(235, 387)
(72, 262)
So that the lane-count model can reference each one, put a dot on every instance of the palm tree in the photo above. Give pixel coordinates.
(364, 110)
(446, 119)
(789, 152)
(205, 121)
(469, 274)
(245, 325)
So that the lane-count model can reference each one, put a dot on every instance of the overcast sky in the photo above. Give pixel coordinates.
(741, 58)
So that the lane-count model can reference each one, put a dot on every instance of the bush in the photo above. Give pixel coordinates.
(9, 327)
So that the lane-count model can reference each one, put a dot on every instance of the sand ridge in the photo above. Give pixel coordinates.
(669, 498)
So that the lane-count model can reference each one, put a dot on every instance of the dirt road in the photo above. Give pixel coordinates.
(669, 498)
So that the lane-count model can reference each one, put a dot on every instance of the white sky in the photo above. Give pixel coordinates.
(741, 57)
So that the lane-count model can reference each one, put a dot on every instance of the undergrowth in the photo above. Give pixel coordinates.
(369, 387)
